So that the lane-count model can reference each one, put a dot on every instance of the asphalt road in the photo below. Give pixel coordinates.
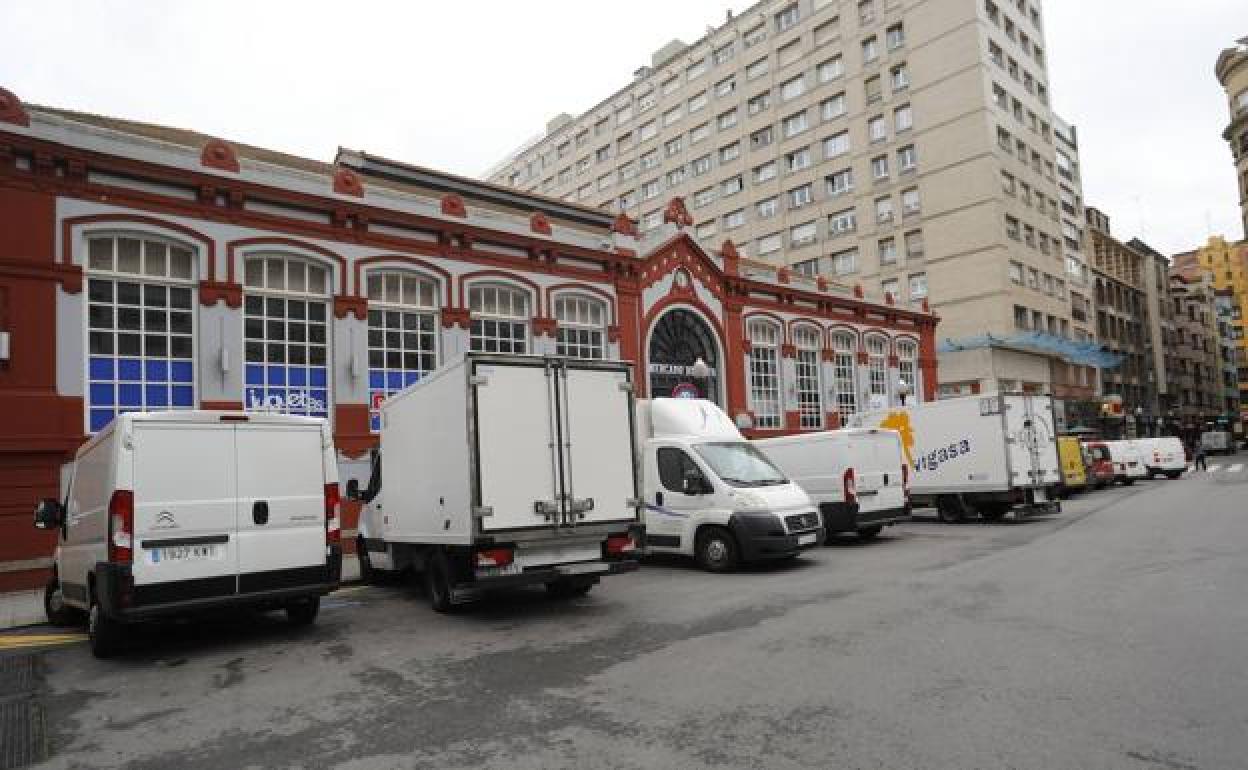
(1113, 635)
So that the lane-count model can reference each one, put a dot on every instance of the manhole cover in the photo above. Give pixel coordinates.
(23, 739)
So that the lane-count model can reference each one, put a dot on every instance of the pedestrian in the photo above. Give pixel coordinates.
(1198, 457)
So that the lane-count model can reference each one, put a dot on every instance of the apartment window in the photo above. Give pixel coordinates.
(807, 363)
(1007, 183)
(676, 177)
(729, 152)
(602, 154)
(765, 373)
(768, 207)
(753, 37)
(722, 54)
(765, 172)
(807, 267)
(1020, 317)
(845, 221)
(840, 182)
(1029, 235)
(756, 69)
(698, 101)
(705, 230)
(1003, 138)
(695, 70)
(788, 18)
(670, 85)
(871, 87)
(699, 133)
(844, 353)
(836, 145)
(900, 78)
(1033, 278)
(701, 165)
(877, 129)
(800, 235)
(910, 202)
(890, 288)
(845, 262)
(727, 119)
(1011, 227)
(628, 200)
(582, 165)
(831, 69)
(581, 327)
(870, 50)
(734, 219)
(833, 107)
(650, 220)
(761, 138)
(887, 250)
(866, 12)
(499, 319)
(1050, 286)
(903, 118)
(914, 244)
(648, 130)
(703, 197)
(801, 196)
(649, 189)
(672, 147)
(758, 103)
(769, 244)
(1000, 97)
(725, 87)
(995, 54)
(883, 210)
(794, 124)
(584, 191)
(789, 53)
(827, 30)
(895, 37)
(907, 159)
(625, 141)
(649, 160)
(879, 168)
(604, 181)
(798, 159)
(645, 103)
(731, 185)
(1016, 273)
(627, 171)
(1025, 190)
(793, 88)
(671, 116)
(918, 286)
(622, 115)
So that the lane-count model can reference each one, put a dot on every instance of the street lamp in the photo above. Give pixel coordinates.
(701, 372)
(903, 390)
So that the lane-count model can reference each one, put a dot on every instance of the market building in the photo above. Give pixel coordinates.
(144, 267)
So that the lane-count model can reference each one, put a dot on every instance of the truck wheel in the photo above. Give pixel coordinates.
(59, 613)
(105, 634)
(869, 533)
(1128, 482)
(368, 575)
(568, 589)
(303, 613)
(951, 509)
(716, 550)
(438, 582)
(990, 512)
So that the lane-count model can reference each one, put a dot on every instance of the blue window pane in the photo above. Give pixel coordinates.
(317, 376)
(255, 374)
(102, 368)
(130, 395)
(100, 418)
(277, 375)
(319, 400)
(410, 377)
(374, 422)
(394, 380)
(181, 371)
(297, 375)
(376, 379)
(102, 395)
(157, 396)
(157, 371)
(183, 395)
(130, 369)
(253, 398)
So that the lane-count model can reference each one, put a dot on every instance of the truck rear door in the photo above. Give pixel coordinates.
(1031, 441)
(599, 474)
(184, 510)
(281, 505)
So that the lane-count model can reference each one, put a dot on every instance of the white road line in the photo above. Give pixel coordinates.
(1236, 468)
(1213, 468)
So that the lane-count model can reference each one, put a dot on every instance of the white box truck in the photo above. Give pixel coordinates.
(1163, 456)
(1217, 442)
(167, 513)
(989, 454)
(857, 476)
(501, 470)
(712, 495)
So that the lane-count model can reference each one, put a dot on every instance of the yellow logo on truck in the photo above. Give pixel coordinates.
(900, 422)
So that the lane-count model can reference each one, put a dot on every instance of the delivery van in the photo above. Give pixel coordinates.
(168, 513)
(1217, 442)
(1100, 466)
(1074, 472)
(503, 470)
(712, 495)
(1163, 456)
(1127, 460)
(990, 454)
(858, 477)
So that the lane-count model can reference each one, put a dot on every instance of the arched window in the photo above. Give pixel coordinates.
(140, 326)
(581, 326)
(844, 349)
(877, 367)
(500, 319)
(286, 335)
(402, 334)
(809, 346)
(765, 373)
(908, 369)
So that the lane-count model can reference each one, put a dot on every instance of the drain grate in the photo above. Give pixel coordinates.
(17, 675)
(23, 731)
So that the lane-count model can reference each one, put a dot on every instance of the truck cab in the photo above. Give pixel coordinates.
(712, 495)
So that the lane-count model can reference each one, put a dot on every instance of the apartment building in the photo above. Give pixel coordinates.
(1232, 72)
(1226, 265)
(904, 146)
(1194, 363)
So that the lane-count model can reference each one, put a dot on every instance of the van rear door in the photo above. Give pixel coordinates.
(281, 505)
(598, 451)
(184, 510)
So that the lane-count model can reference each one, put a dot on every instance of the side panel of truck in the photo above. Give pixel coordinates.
(1031, 441)
(598, 424)
(877, 459)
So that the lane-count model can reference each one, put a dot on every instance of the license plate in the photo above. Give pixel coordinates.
(807, 539)
(581, 569)
(185, 553)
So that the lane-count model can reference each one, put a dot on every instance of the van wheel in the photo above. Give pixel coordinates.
(368, 575)
(438, 583)
(303, 613)
(1128, 482)
(951, 509)
(568, 589)
(1173, 474)
(716, 550)
(869, 533)
(59, 613)
(104, 633)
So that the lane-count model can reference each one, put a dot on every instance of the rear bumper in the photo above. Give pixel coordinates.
(585, 570)
(121, 599)
(849, 517)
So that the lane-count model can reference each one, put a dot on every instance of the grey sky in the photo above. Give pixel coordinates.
(457, 85)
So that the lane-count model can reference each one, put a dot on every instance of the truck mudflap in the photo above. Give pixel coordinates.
(590, 571)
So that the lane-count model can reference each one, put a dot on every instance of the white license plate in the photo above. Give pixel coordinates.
(806, 539)
(183, 553)
(580, 569)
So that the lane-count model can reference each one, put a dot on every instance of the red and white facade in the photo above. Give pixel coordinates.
(149, 268)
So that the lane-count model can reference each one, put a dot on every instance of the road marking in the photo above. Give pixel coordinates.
(1236, 468)
(1212, 468)
(22, 641)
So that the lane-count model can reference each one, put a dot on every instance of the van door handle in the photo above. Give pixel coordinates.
(260, 512)
(658, 498)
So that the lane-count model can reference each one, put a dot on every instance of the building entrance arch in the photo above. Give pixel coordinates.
(678, 338)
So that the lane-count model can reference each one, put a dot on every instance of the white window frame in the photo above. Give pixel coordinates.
(808, 369)
(479, 337)
(577, 334)
(764, 373)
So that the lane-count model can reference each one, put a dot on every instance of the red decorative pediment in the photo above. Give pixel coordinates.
(219, 155)
(347, 182)
(356, 306)
(539, 224)
(731, 257)
(455, 316)
(677, 214)
(453, 206)
(545, 327)
(623, 225)
(212, 292)
(11, 109)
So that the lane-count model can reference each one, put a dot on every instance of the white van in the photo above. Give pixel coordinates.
(712, 495)
(1163, 456)
(167, 513)
(857, 476)
(1128, 460)
(1217, 442)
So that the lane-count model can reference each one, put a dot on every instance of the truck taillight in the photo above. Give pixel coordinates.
(905, 479)
(333, 524)
(618, 545)
(851, 488)
(121, 527)
(495, 557)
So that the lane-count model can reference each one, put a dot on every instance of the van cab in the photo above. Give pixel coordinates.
(1071, 461)
(712, 495)
(170, 513)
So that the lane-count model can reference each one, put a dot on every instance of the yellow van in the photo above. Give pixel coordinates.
(1070, 458)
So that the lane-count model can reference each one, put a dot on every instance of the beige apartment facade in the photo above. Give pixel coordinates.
(904, 146)
(1232, 72)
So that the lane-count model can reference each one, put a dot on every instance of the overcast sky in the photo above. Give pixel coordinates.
(456, 85)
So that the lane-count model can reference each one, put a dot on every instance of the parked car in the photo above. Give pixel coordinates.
(170, 513)
(857, 476)
(1073, 468)
(714, 496)
(1099, 464)
(1127, 460)
(501, 470)
(1163, 456)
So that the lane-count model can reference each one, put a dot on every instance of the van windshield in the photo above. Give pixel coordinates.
(740, 464)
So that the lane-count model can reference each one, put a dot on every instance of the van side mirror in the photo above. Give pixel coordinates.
(353, 489)
(49, 514)
(694, 484)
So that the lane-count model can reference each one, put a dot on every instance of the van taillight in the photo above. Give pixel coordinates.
(905, 479)
(121, 527)
(333, 525)
(495, 557)
(851, 488)
(618, 545)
